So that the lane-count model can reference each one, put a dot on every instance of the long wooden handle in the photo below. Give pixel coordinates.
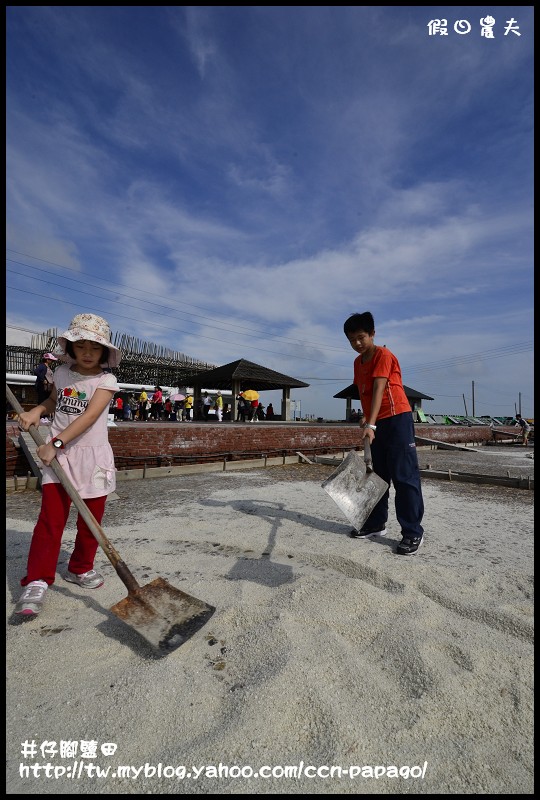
(94, 526)
(367, 455)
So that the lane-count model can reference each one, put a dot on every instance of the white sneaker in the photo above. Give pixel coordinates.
(88, 580)
(31, 600)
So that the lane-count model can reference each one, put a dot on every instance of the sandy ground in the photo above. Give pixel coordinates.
(323, 651)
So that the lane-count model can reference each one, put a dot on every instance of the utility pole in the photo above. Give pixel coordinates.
(520, 403)
(465, 404)
(473, 410)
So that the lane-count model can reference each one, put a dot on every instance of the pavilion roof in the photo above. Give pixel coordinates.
(248, 374)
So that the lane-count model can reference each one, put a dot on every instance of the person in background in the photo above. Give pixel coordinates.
(242, 406)
(44, 379)
(157, 403)
(269, 411)
(143, 399)
(168, 409)
(227, 412)
(80, 401)
(126, 410)
(389, 428)
(134, 407)
(127, 407)
(260, 412)
(207, 405)
(254, 407)
(119, 408)
(525, 429)
(178, 410)
(188, 405)
(219, 407)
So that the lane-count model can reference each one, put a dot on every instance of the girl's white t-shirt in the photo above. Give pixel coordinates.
(88, 460)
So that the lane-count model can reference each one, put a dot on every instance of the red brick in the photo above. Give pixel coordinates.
(136, 443)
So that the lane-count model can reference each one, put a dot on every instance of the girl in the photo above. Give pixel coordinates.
(80, 402)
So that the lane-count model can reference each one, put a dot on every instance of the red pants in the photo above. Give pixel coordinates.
(47, 536)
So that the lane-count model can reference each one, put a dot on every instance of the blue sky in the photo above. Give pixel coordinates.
(233, 182)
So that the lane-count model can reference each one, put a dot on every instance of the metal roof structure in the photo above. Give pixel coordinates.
(245, 375)
(142, 362)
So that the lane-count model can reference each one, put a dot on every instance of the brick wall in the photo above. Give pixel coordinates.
(16, 463)
(159, 444)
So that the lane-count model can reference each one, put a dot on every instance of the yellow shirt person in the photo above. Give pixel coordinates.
(143, 413)
(219, 407)
(188, 405)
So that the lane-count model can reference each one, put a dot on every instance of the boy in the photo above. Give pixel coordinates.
(389, 427)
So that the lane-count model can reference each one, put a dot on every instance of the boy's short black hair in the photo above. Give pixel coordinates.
(359, 322)
(104, 352)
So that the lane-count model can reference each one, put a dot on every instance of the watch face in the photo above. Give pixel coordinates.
(57, 444)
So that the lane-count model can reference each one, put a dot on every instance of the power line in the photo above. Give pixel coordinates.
(227, 325)
(514, 348)
(457, 361)
(166, 327)
(25, 330)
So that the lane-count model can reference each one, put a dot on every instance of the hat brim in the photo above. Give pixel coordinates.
(115, 355)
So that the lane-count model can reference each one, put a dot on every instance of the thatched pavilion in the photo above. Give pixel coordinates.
(241, 375)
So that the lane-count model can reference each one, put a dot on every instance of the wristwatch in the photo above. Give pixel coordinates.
(58, 443)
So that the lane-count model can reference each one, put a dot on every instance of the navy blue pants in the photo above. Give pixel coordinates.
(395, 460)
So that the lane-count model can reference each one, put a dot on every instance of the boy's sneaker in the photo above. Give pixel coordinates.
(88, 580)
(31, 600)
(409, 546)
(365, 533)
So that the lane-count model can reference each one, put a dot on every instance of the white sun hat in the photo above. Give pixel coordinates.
(94, 329)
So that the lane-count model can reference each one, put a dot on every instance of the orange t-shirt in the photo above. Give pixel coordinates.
(384, 364)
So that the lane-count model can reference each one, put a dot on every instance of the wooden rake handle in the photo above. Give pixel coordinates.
(97, 531)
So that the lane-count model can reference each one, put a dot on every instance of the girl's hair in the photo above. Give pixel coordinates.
(104, 352)
(359, 322)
